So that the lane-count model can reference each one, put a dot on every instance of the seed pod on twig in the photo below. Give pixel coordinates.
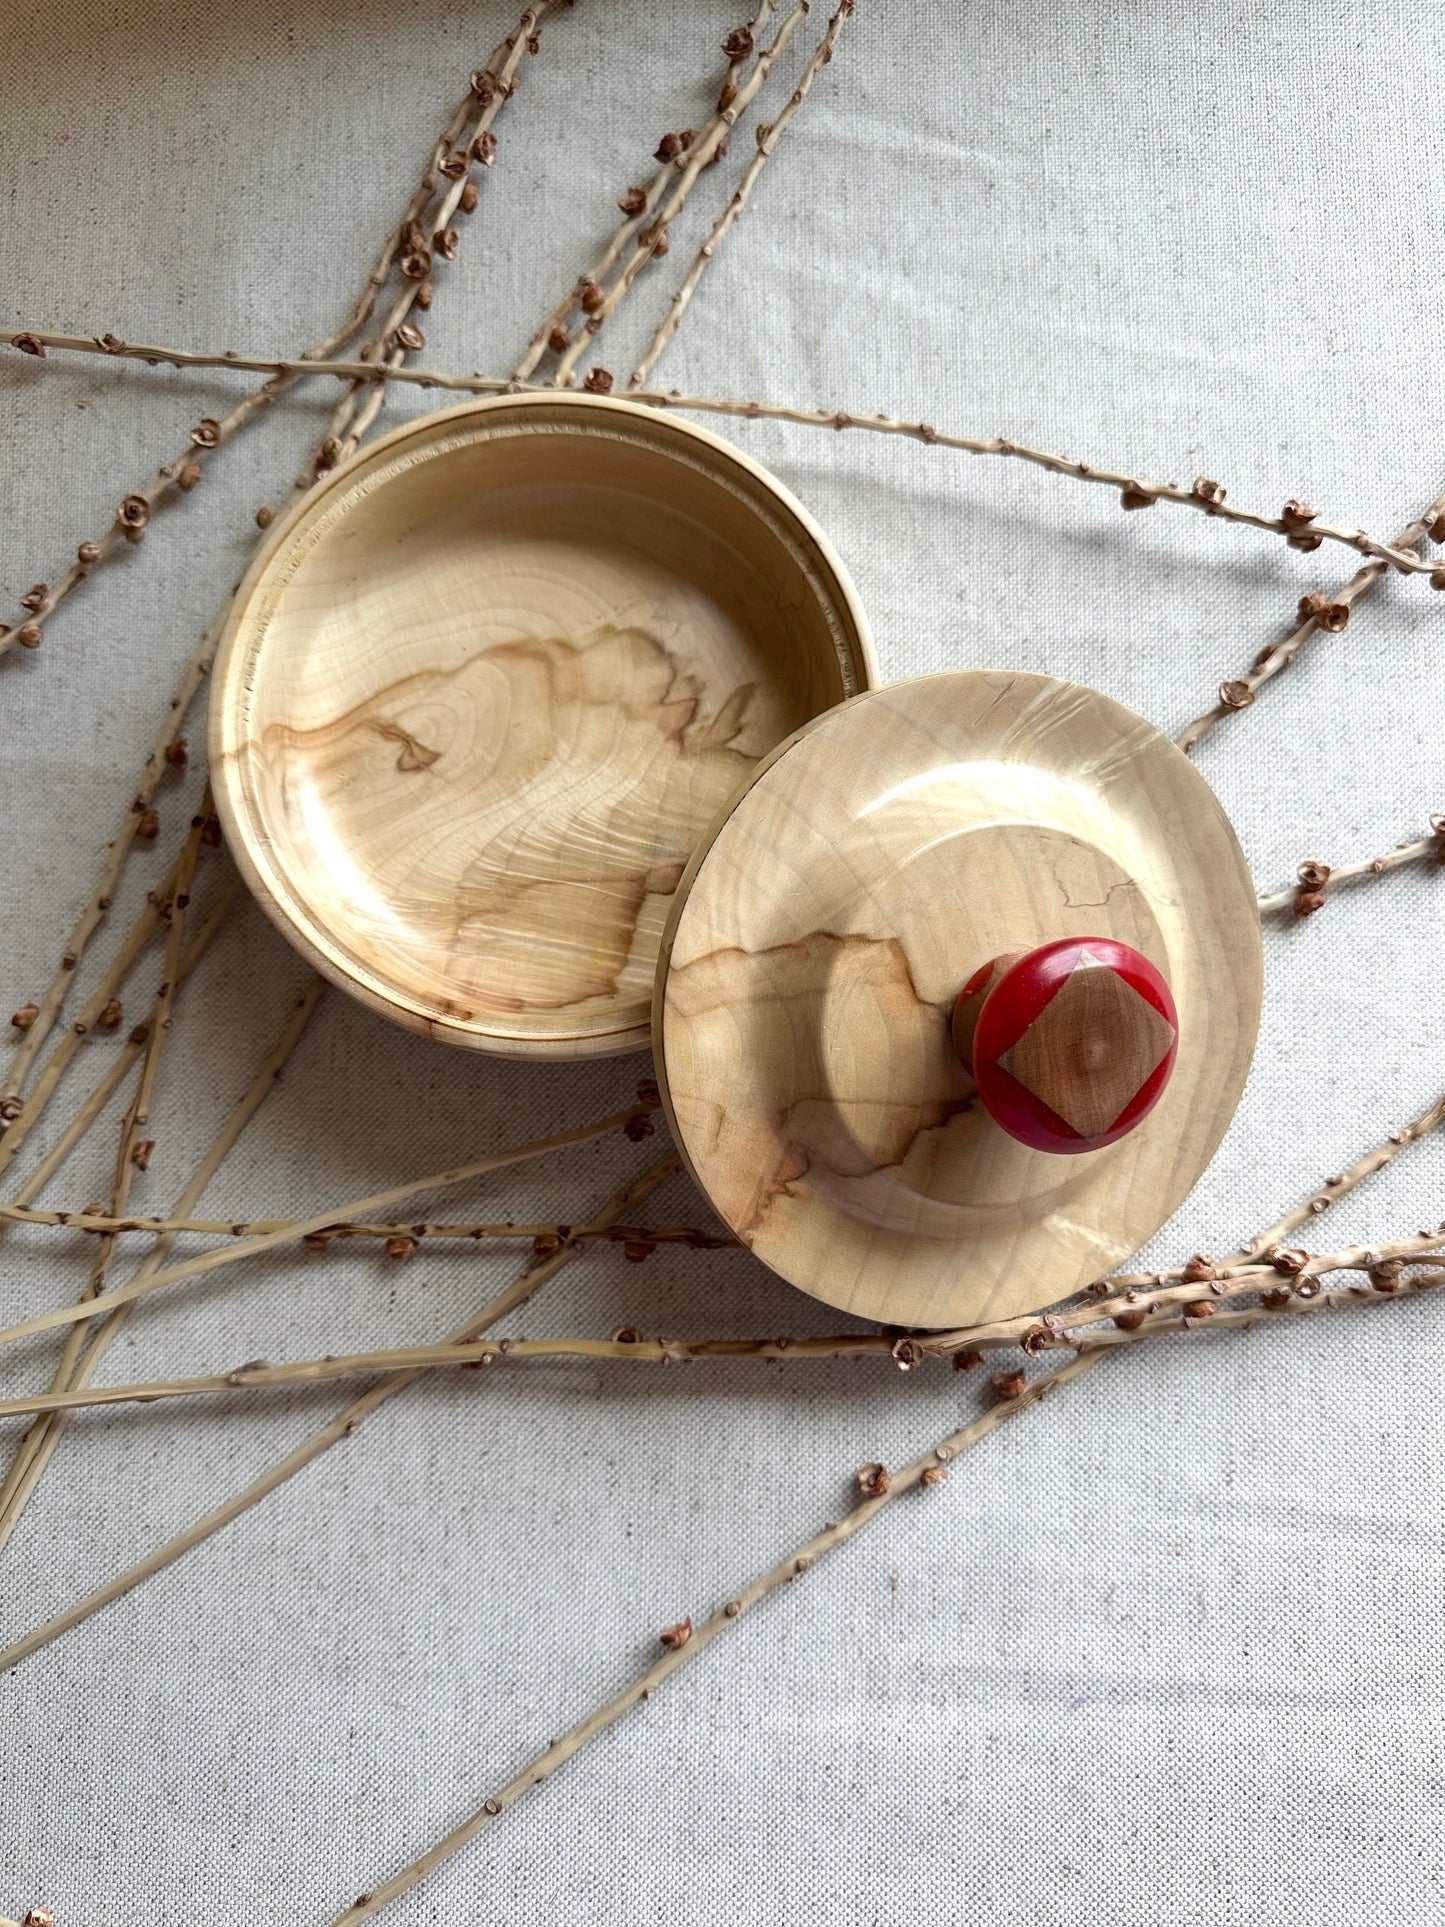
(599, 381)
(675, 1636)
(873, 1479)
(1008, 1385)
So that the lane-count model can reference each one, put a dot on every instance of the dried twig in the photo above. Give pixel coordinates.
(341, 1426)
(1316, 612)
(638, 207)
(1312, 880)
(767, 140)
(179, 476)
(83, 1352)
(1204, 496)
(492, 86)
(924, 1472)
(499, 1229)
(1087, 1329)
(634, 1116)
(652, 239)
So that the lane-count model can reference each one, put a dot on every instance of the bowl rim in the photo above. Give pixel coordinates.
(229, 690)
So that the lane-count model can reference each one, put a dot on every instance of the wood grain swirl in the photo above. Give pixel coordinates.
(479, 699)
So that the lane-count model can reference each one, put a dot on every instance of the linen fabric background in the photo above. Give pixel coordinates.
(1166, 1650)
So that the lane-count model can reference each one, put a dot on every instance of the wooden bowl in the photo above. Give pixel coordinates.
(817, 947)
(483, 689)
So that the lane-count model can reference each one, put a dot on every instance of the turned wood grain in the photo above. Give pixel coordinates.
(817, 947)
(484, 689)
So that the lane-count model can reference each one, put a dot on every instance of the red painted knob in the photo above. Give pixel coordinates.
(1070, 1044)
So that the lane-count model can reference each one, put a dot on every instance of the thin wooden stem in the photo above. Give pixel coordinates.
(83, 1351)
(631, 224)
(210, 1261)
(768, 137)
(1242, 690)
(500, 1229)
(799, 1561)
(1404, 561)
(1085, 1330)
(341, 1426)
(1315, 880)
(719, 129)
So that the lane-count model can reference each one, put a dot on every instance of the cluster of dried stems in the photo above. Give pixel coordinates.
(1269, 1278)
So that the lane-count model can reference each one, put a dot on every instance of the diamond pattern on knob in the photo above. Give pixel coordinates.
(1092, 1047)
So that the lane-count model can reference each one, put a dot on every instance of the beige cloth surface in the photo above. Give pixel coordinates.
(1166, 1651)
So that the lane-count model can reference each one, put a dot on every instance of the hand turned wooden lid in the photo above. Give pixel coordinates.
(958, 996)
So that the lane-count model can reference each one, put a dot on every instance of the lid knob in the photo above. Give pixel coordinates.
(1071, 1044)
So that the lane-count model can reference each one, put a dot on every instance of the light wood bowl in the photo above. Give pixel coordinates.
(822, 933)
(483, 689)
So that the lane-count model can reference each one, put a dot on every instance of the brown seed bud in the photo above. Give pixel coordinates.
(739, 43)
(408, 335)
(96, 1210)
(1275, 1298)
(10, 1109)
(484, 85)
(424, 296)
(1207, 491)
(599, 381)
(134, 512)
(1307, 544)
(206, 433)
(112, 344)
(1199, 1308)
(907, 1352)
(140, 1155)
(558, 339)
(1296, 514)
(633, 201)
(110, 1018)
(1311, 606)
(28, 635)
(1135, 498)
(1034, 1340)
(23, 1018)
(1313, 876)
(454, 166)
(668, 149)
(177, 754)
(732, 1608)
(149, 826)
(592, 298)
(484, 148)
(1386, 1277)
(39, 1917)
(935, 1475)
(416, 265)
(491, 1806)
(873, 1479)
(265, 516)
(211, 833)
(317, 1241)
(654, 236)
(470, 197)
(189, 475)
(721, 149)
(446, 241)
(1307, 902)
(1129, 1321)
(36, 599)
(635, 1250)
(626, 1335)
(966, 1360)
(1199, 1270)
(675, 1636)
(88, 553)
(29, 344)
(1288, 1260)
(1236, 695)
(545, 1243)
(401, 1247)
(1007, 1385)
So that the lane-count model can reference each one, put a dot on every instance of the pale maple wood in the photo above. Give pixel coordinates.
(817, 946)
(485, 687)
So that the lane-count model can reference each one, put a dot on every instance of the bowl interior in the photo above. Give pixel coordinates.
(484, 699)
